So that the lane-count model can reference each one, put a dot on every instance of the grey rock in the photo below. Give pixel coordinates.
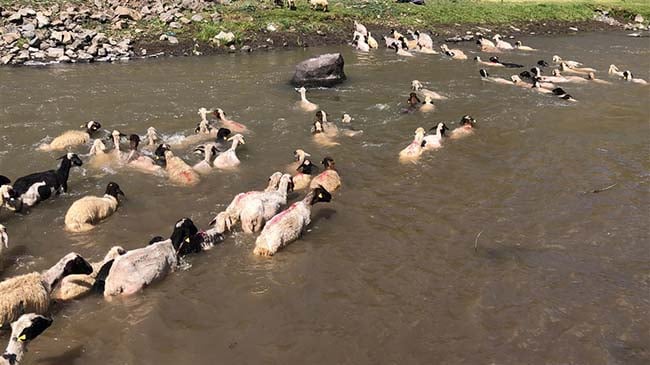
(172, 40)
(25, 12)
(6, 59)
(126, 13)
(23, 55)
(15, 18)
(184, 20)
(197, 17)
(639, 18)
(92, 50)
(246, 49)
(38, 55)
(175, 25)
(57, 36)
(10, 37)
(55, 52)
(83, 56)
(321, 71)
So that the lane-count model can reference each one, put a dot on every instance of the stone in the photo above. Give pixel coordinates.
(100, 17)
(38, 55)
(167, 17)
(10, 37)
(639, 18)
(57, 36)
(175, 25)
(67, 37)
(197, 17)
(92, 50)
(126, 13)
(322, 71)
(83, 56)
(6, 59)
(184, 20)
(225, 37)
(26, 12)
(271, 27)
(172, 39)
(120, 24)
(246, 49)
(23, 55)
(55, 52)
(15, 18)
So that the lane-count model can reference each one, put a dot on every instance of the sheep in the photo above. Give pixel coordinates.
(259, 209)
(229, 159)
(427, 105)
(328, 179)
(79, 285)
(98, 157)
(4, 239)
(455, 54)
(139, 268)
(434, 141)
(424, 42)
(362, 45)
(319, 4)
(627, 76)
(348, 130)
(401, 48)
(613, 70)
(25, 329)
(320, 137)
(413, 150)
(227, 219)
(289, 224)
(8, 197)
(299, 157)
(330, 129)
(229, 123)
(572, 64)
(38, 186)
(467, 125)
(221, 143)
(31, 292)
(137, 160)
(72, 138)
(419, 88)
(204, 166)
(360, 28)
(302, 179)
(305, 104)
(87, 211)
(180, 173)
(372, 42)
(152, 138)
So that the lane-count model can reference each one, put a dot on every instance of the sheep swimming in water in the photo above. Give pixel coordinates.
(305, 104)
(209, 150)
(72, 138)
(519, 46)
(256, 211)
(179, 172)
(98, 157)
(139, 268)
(455, 54)
(90, 210)
(31, 292)
(328, 179)
(348, 130)
(427, 105)
(413, 150)
(434, 141)
(288, 225)
(417, 87)
(8, 197)
(613, 70)
(229, 123)
(76, 286)
(24, 330)
(305, 173)
(299, 157)
(627, 76)
(467, 125)
(137, 160)
(502, 44)
(229, 159)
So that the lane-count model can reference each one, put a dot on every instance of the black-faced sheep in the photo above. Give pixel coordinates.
(328, 179)
(289, 224)
(23, 331)
(31, 292)
(90, 210)
(72, 138)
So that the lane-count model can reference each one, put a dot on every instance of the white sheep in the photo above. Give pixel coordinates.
(139, 161)
(419, 89)
(79, 285)
(152, 138)
(180, 173)
(137, 269)
(229, 123)
(299, 157)
(302, 179)
(25, 329)
(8, 197)
(319, 4)
(4, 239)
(98, 157)
(209, 150)
(31, 292)
(262, 207)
(90, 210)
(413, 151)
(434, 141)
(289, 224)
(229, 159)
(328, 179)
(72, 138)
(305, 104)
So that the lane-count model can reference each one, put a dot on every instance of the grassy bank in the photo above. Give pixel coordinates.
(244, 17)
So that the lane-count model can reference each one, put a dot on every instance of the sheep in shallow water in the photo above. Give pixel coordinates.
(259, 209)
(413, 150)
(289, 224)
(76, 286)
(467, 125)
(328, 179)
(139, 268)
(434, 141)
(305, 104)
(90, 210)
(24, 330)
(39, 186)
(229, 159)
(305, 173)
(98, 157)
(209, 150)
(31, 292)
(419, 89)
(137, 160)
(180, 173)
(229, 123)
(299, 157)
(72, 138)
(151, 138)
(8, 197)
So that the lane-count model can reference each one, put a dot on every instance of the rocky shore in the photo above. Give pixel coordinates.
(120, 30)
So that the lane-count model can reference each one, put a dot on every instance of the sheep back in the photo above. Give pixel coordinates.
(89, 210)
(67, 139)
(283, 229)
(26, 289)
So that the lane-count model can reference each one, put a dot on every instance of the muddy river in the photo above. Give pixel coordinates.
(491, 250)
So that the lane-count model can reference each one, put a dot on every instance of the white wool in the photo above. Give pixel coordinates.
(67, 139)
(89, 210)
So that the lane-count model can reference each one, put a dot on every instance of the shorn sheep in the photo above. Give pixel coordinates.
(76, 286)
(89, 210)
(39, 186)
(263, 207)
(180, 173)
(72, 138)
(31, 292)
(229, 159)
(289, 224)
(137, 269)
(24, 330)
(319, 4)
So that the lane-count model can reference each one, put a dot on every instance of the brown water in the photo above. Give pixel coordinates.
(387, 273)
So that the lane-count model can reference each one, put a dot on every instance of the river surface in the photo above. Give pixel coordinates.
(487, 251)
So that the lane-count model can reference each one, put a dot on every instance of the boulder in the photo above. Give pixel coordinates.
(55, 52)
(323, 71)
(127, 13)
(197, 17)
(10, 37)
(225, 37)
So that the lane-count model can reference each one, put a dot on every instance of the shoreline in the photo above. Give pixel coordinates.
(42, 32)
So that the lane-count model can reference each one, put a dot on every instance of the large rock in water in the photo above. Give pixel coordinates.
(325, 70)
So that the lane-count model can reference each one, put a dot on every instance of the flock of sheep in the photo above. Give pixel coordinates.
(123, 272)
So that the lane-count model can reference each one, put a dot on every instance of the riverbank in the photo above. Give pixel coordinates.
(36, 32)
